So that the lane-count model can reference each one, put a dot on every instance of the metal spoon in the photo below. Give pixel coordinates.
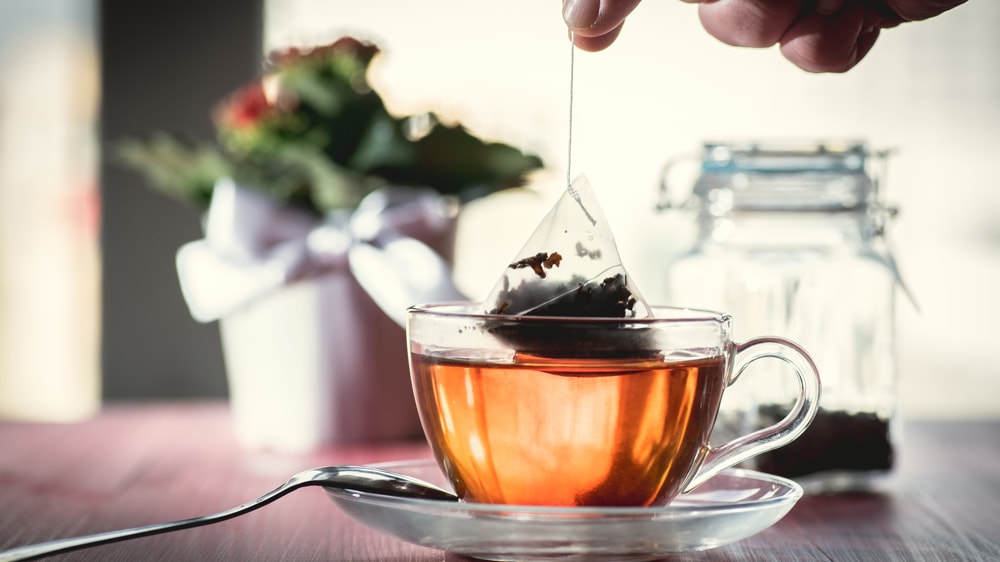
(358, 478)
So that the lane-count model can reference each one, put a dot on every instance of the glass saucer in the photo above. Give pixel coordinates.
(731, 506)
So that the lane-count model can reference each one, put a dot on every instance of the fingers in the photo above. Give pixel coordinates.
(749, 23)
(913, 10)
(835, 42)
(595, 24)
(829, 7)
(580, 15)
(598, 43)
(815, 35)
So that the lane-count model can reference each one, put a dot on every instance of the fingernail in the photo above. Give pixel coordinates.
(829, 7)
(580, 14)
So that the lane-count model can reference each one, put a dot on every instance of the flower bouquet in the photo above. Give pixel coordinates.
(312, 132)
(324, 213)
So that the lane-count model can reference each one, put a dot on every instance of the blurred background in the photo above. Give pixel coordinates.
(90, 306)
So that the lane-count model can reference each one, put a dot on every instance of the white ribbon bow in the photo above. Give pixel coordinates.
(254, 245)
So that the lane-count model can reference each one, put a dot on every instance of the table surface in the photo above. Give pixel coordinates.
(137, 464)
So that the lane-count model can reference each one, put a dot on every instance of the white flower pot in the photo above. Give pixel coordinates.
(314, 364)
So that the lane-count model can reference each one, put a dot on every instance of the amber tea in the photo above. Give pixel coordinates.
(586, 411)
(568, 431)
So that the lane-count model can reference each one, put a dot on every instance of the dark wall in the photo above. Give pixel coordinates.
(164, 64)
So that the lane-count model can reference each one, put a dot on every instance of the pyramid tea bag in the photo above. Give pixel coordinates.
(570, 266)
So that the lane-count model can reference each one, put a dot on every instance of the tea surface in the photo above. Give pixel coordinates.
(568, 431)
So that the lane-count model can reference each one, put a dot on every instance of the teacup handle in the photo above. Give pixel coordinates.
(779, 434)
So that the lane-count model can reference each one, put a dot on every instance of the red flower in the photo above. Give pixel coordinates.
(244, 108)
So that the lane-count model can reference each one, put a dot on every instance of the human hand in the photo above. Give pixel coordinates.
(816, 35)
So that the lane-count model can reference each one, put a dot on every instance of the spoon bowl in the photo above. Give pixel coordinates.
(367, 479)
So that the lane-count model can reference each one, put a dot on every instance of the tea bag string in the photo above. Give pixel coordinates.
(569, 133)
(569, 137)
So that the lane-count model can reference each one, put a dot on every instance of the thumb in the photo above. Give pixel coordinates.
(594, 18)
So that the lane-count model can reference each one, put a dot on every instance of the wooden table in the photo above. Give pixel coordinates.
(141, 464)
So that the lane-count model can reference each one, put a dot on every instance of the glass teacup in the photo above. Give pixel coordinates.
(566, 411)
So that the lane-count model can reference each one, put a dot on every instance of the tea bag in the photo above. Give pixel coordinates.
(570, 266)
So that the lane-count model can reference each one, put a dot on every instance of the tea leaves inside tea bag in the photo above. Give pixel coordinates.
(570, 266)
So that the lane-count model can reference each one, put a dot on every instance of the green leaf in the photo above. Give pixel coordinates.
(453, 161)
(383, 144)
(180, 168)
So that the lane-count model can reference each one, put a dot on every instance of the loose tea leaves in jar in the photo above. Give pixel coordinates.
(835, 441)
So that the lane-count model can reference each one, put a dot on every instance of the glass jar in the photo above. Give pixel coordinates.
(791, 242)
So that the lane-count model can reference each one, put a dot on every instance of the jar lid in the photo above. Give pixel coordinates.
(785, 176)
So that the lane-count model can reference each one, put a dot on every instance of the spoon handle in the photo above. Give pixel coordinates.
(58, 546)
